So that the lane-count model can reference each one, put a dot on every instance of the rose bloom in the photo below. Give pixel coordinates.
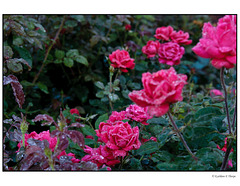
(216, 92)
(74, 160)
(180, 37)
(163, 33)
(101, 156)
(121, 138)
(45, 135)
(161, 89)
(138, 114)
(151, 49)
(74, 111)
(219, 43)
(170, 53)
(117, 116)
(121, 59)
(128, 27)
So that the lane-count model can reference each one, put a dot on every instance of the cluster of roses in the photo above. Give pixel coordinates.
(45, 135)
(171, 51)
(118, 136)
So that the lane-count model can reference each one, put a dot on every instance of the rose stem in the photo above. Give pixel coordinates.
(180, 136)
(224, 164)
(225, 97)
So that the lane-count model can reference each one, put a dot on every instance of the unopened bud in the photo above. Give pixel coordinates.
(111, 69)
(24, 127)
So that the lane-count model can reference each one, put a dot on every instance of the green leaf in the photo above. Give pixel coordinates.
(167, 166)
(135, 164)
(147, 148)
(8, 53)
(59, 54)
(58, 61)
(100, 119)
(79, 18)
(13, 66)
(100, 94)
(25, 54)
(159, 121)
(68, 62)
(71, 23)
(208, 111)
(42, 87)
(116, 82)
(94, 40)
(113, 97)
(72, 53)
(99, 84)
(81, 59)
(89, 141)
(87, 130)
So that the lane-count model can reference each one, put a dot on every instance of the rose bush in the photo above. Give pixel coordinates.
(81, 108)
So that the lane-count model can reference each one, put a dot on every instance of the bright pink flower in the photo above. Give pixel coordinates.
(121, 59)
(108, 168)
(170, 53)
(121, 138)
(216, 92)
(230, 163)
(45, 135)
(224, 149)
(74, 160)
(152, 138)
(163, 33)
(151, 49)
(138, 114)
(180, 37)
(219, 43)
(128, 27)
(160, 90)
(101, 155)
(117, 116)
(74, 111)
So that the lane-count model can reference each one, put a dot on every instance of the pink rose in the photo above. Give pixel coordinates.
(128, 27)
(224, 149)
(219, 43)
(74, 160)
(45, 135)
(74, 111)
(121, 59)
(151, 49)
(117, 116)
(170, 53)
(163, 33)
(216, 92)
(121, 138)
(160, 90)
(138, 114)
(180, 37)
(101, 156)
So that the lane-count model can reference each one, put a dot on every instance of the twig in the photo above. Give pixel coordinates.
(48, 51)
(225, 97)
(180, 136)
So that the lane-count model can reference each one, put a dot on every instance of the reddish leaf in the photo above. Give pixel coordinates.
(63, 142)
(45, 117)
(76, 137)
(31, 160)
(77, 125)
(33, 149)
(17, 89)
(88, 166)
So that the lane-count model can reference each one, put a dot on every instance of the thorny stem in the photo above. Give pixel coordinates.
(180, 136)
(234, 117)
(225, 160)
(225, 97)
(48, 51)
